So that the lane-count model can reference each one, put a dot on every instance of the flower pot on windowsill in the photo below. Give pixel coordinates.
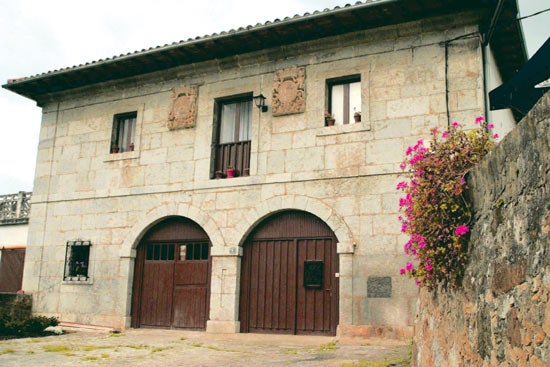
(357, 118)
(114, 149)
(219, 174)
(230, 172)
(330, 122)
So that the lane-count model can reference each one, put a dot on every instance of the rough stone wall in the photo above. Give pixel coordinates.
(345, 175)
(501, 317)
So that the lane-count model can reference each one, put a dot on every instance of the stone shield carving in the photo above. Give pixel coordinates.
(183, 113)
(289, 95)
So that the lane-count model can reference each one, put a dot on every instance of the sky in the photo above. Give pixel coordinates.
(37, 36)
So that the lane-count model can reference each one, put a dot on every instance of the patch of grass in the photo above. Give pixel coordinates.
(197, 345)
(115, 334)
(89, 348)
(135, 346)
(159, 349)
(56, 348)
(7, 351)
(291, 352)
(402, 362)
(90, 358)
(330, 347)
(104, 355)
(183, 338)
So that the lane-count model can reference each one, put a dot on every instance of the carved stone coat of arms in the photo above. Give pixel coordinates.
(183, 113)
(289, 95)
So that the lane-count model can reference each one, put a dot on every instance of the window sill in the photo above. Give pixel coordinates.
(121, 156)
(343, 129)
(78, 281)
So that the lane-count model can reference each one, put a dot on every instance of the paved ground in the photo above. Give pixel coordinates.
(142, 347)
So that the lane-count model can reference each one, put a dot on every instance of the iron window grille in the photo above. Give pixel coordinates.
(77, 260)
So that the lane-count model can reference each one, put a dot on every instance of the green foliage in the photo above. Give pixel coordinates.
(436, 214)
(32, 325)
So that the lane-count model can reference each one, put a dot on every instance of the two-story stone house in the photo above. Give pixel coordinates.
(137, 220)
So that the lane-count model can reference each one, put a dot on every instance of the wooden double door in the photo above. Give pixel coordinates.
(172, 277)
(288, 280)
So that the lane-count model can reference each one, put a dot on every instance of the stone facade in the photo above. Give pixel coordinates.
(345, 175)
(501, 317)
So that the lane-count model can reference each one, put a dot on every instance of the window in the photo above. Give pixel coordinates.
(124, 131)
(194, 251)
(232, 132)
(344, 98)
(187, 251)
(77, 260)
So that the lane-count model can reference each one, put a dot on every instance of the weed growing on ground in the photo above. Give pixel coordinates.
(330, 347)
(56, 348)
(7, 351)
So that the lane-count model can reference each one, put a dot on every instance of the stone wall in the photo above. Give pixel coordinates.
(501, 317)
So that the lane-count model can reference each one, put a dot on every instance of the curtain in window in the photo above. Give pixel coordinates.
(345, 101)
(127, 133)
(235, 122)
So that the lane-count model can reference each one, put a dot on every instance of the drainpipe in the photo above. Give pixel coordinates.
(485, 40)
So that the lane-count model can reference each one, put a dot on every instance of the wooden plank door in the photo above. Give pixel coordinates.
(190, 305)
(172, 276)
(275, 297)
(157, 286)
(11, 270)
(315, 301)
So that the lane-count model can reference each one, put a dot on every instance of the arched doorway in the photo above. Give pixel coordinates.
(288, 276)
(172, 276)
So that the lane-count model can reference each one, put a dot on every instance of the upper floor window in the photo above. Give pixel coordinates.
(232, 134)
(77, 260)
(344, 98)
(123, 133)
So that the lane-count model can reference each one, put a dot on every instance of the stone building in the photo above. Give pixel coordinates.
(138, 222)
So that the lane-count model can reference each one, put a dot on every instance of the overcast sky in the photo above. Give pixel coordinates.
(37, 36)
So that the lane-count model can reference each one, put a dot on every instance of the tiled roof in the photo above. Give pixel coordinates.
(299, 28)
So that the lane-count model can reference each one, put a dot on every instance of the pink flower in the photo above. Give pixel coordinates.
(428, 265)
(454, 124)
(402, 271)
(409, 266)
(479, 119)
(409, 150)
(417, 283)
(445, 134)
(491, 126)
(402, 166)
(461, 230)
(402, 185)
(495, 136)
(404, 227)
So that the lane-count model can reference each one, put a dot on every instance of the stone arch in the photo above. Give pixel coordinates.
(155, 215)
(135, 234)
(308, 204)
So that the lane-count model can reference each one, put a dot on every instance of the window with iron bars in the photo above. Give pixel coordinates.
(77, 260)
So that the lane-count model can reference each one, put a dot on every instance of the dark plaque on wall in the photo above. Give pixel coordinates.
(313, 274)
(379, 287)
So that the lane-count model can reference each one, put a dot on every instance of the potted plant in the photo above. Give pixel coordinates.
(114, 148)
(329, 119)
(219, 174)
(357, 116)
(230, 172)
